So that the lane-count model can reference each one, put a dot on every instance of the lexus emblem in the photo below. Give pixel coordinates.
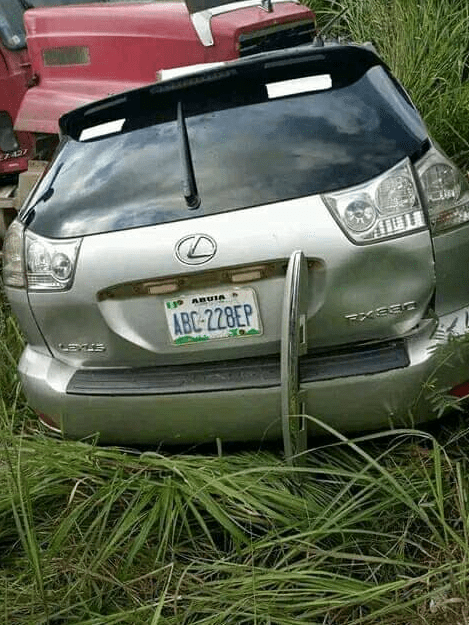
(196, 249)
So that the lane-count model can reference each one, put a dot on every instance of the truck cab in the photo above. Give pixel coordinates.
(15, 76)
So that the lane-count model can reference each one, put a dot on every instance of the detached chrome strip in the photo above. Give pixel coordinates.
(201, 20)
(293, 344)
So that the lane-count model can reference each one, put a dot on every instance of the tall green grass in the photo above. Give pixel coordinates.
(371, 531)
(368, 531)
(426, 44)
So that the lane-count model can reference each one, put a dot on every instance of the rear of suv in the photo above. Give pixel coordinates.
(214, 255)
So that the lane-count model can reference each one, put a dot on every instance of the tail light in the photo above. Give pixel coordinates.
(383, 208)
(38, 263)
(461, 391)
(446, 191)
(13, 261)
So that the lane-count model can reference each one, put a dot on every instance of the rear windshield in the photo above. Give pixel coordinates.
(253, 152)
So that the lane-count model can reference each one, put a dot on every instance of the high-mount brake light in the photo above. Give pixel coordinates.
(446, 191)
(13, 256)
(50, 264)
(383, 208)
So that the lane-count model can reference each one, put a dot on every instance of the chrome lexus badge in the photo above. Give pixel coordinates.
(196, 249)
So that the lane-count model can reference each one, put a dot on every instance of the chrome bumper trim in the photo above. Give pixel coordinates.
(293, 344)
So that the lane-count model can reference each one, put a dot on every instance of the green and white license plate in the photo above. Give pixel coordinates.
(216, 315)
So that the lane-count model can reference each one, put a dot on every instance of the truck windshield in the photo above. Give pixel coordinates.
(194, 6)
(11, 24)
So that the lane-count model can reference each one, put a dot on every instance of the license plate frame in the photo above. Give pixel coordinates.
(213, 316)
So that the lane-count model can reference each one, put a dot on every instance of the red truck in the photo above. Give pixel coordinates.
(57, 57)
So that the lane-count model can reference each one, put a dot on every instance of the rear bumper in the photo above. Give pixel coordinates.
(364, 388)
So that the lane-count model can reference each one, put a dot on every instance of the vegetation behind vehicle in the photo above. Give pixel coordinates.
(426, 45)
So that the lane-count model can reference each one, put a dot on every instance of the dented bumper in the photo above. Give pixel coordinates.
(371, 386)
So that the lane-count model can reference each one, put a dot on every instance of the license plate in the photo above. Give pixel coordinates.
(219, 315)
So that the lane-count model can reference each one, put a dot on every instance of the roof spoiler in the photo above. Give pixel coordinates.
(345, 63)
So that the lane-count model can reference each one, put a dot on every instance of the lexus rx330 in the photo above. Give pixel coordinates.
(214, 255)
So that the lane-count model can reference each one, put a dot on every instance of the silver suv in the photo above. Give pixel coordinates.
(214, 255)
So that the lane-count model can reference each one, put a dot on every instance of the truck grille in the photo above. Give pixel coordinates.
(276, 37)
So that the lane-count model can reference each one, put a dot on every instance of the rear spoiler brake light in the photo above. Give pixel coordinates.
(148, 105)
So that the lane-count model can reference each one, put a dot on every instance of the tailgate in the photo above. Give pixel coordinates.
(134, 308)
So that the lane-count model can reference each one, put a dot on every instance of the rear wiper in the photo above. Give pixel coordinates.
(189, 184)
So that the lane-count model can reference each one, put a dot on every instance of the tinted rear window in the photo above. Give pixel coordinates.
(246, 155)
